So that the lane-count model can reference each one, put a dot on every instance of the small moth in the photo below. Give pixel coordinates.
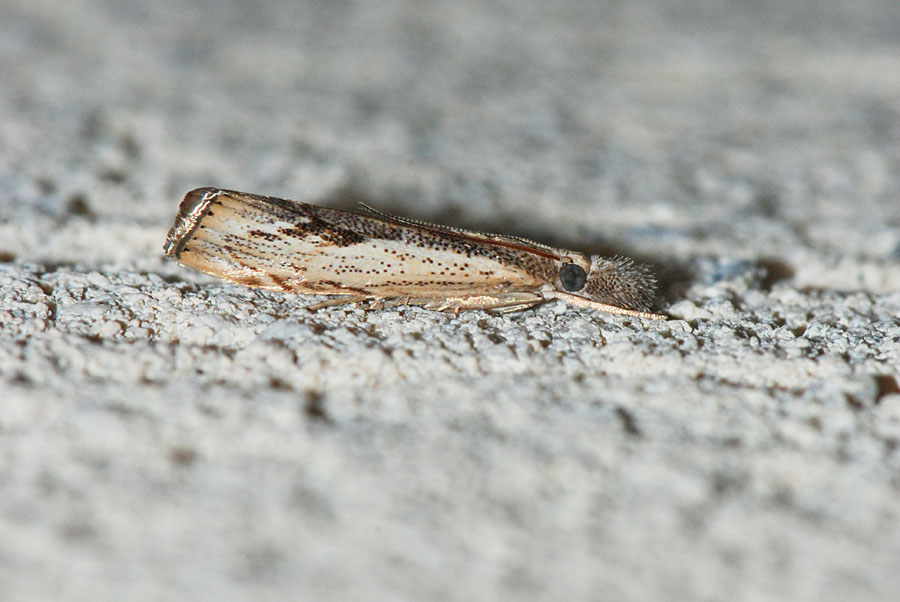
(384, 260)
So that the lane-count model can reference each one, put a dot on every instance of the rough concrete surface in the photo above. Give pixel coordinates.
(168, 436)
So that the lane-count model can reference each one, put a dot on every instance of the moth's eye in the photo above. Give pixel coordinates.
(572, 277)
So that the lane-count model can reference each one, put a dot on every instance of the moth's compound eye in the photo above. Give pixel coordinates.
(572, 277)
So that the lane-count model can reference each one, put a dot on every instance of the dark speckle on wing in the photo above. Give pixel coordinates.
(328, 233)
(269, 236)
(322, 226)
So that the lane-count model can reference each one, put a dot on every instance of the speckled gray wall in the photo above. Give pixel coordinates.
(164, 435)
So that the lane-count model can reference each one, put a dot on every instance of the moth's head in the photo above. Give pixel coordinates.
(616, 281)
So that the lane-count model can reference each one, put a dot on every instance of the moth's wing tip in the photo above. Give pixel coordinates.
(194, 197)
(193, 207)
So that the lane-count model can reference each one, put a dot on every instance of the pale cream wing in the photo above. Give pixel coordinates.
(290, 246)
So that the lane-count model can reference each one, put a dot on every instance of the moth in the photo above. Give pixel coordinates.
(385, 260)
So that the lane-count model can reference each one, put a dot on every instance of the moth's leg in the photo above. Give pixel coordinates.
(501, 303)
(342, 300)
(513, 308)
(386, 302)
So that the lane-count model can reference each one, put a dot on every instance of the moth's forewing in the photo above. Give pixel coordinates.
(290, 246)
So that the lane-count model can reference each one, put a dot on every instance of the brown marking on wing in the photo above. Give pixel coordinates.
(343, 287)
(328, 233)
(279, 281)
(512, 242)
(251, 281)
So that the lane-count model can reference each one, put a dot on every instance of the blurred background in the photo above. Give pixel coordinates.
(166, 435)
(667, 130)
